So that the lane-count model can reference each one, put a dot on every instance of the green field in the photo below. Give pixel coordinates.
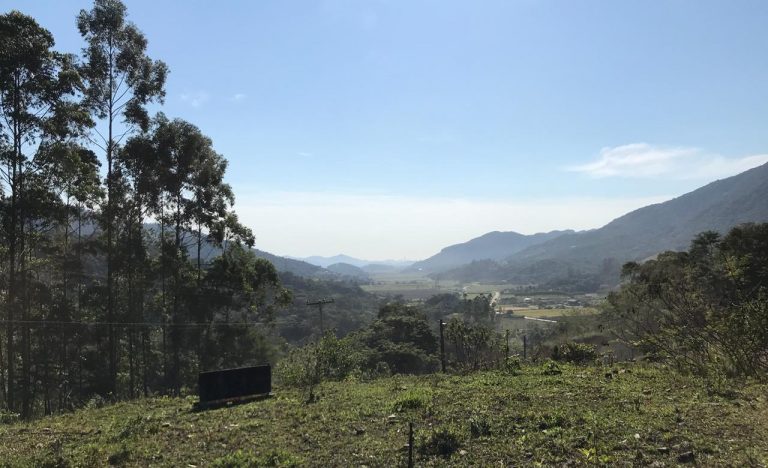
(553, 313)
(483, 288)
(627, 416)
(412, 286)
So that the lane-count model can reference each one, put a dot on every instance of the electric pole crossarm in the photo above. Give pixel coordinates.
(319, 303)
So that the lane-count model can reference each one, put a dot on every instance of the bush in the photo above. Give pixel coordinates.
(442, 442)
(577, 353)
(473, 346)
(329, 359)
(412, 400)
(512, 365)
(479, 425)
(674, 305)
(8, 417)
(551, 368)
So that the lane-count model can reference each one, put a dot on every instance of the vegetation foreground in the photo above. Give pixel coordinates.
(543, 415)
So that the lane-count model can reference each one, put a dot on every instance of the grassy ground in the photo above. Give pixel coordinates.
(585, 415)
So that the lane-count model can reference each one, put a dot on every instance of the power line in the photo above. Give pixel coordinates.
(319, 304)
(145, 324)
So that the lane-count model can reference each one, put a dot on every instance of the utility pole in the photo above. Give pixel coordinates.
(319, 303)
(442, 347)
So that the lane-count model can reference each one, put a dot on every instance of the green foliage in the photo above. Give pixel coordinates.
(512, 365)
(112, 307)
(573, 418)
(352, 309)
(473, 346)
(577, 353)
(246, 459)
(551, 368)
(705, 310)
(414, 399)
(442, 442)
(330, 359)
(401, 339)
(7, 417)
(479, 425)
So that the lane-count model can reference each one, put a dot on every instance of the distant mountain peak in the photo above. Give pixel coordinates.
(325, 262)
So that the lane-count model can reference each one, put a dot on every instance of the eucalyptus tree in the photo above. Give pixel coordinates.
(121, 80)
(179, 178)
(140, 160)
(240, 295)
(210, 202)
(74, 183)
(35, 109)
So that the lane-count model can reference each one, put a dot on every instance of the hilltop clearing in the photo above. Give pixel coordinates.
(548, 414)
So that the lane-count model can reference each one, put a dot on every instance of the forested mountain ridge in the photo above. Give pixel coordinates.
(670, 225)
(211, 250)
(349, 271)
(325, 262)
(637, 235)
(494, 245)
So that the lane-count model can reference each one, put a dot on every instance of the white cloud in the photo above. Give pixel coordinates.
(380, 226)
(641, 160)
(195, 99)
(238, 97)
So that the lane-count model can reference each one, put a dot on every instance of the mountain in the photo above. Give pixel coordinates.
(297, 267)
(210, 251)
(351, 271)
(639, 234)
(325, 262)
(374, 268)
(492, 246)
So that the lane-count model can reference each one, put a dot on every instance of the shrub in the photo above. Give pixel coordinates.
(512, 365)
(442, 442)
(551, 368)
(479, 425)
(329, 359)
(8, 417)
(578, 353)
(413, 399)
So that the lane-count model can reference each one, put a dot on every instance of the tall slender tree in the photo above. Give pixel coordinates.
(35, 83)
(121, 80)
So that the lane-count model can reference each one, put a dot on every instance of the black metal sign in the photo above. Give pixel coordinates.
(229, 384)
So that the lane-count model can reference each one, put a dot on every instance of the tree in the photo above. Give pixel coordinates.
(177, 174)
(238, 289)
(706, 310)
(401, 338)
(35, 83)
(121, 81)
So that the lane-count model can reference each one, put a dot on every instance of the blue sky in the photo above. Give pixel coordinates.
(390, 129)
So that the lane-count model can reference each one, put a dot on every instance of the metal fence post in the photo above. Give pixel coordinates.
(410, 445)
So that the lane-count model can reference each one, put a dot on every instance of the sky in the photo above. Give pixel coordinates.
(391, 129)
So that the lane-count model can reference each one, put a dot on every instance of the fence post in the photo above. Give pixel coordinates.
(506, 345)
(525, 347)
(410, 445)
(442, 347)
